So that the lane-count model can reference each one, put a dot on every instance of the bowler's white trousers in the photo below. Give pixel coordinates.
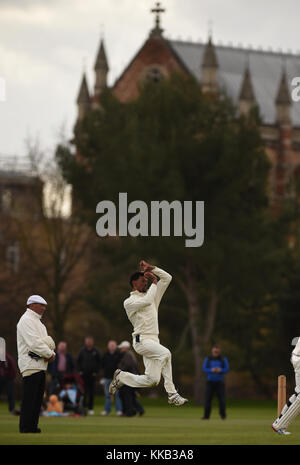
(157, 360)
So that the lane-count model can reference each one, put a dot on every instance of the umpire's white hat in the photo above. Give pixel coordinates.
(36, 299)
(124, 345)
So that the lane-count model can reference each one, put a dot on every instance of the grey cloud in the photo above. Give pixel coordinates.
(25, 4)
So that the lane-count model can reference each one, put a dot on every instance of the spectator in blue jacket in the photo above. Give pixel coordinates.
(215, 367)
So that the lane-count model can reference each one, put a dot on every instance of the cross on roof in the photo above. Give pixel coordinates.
(157, 10)
(210, 28)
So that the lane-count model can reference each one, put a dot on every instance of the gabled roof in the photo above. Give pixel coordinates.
(166, 43)
(265, 68)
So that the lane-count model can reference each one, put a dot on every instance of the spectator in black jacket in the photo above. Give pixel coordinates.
(62, 365)
(88, 366)
(109, 364)
(128, 362)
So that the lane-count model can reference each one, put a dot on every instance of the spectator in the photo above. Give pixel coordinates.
(215, 367)
(88, 366)
(54, 406)
(72, 394)
(128, 362)
(68, 396)
(109, 364)
(63, 364)
(8, 372)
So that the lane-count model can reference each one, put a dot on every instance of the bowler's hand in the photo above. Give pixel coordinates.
(151, 276)
(144, 266)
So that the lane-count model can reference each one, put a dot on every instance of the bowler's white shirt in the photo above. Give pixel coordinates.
(30, 335)
(142, 307)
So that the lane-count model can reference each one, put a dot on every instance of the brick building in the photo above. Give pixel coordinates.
(250, 77)
(21, 198)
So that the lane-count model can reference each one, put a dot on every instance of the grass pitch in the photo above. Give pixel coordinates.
(248, 423)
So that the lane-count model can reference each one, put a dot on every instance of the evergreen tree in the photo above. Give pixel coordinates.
(174, 143)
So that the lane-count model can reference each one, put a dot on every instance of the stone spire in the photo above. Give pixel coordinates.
(156, 32)
(83, 99)
(209, 68)
(101, 69)
(283, 101)
(284, 155)
(247, 96)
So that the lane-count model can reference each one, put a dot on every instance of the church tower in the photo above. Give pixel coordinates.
(246, 97)
(209, 68)
(101, 69)
(283, 102)
(83, 99)
(283, 165)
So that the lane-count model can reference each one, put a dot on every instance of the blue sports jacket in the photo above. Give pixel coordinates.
(211, 362)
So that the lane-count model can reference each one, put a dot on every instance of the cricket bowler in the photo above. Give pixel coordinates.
(142, 311)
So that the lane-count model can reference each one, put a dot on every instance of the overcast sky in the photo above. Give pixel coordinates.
(45, 43)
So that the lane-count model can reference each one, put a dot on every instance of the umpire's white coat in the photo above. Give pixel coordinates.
(30, 335)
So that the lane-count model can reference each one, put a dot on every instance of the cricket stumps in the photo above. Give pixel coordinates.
(281, 393)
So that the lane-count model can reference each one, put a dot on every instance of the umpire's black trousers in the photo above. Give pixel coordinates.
(33, 392)
(218, 388)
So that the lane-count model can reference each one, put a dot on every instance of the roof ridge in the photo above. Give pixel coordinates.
(239, 48)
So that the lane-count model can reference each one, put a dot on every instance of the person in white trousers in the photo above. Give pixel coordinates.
(142, 311)
(292, 407)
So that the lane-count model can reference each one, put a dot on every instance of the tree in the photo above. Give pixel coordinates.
(54, 245)
(174, 143)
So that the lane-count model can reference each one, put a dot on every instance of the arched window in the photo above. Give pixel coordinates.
(13, 257)
(154, 74)
(6, 200)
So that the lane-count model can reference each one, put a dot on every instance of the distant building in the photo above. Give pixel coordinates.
(21, 197)
(250, 77)
(21, 193)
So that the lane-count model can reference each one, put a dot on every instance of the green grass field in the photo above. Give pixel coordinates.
(248, 423)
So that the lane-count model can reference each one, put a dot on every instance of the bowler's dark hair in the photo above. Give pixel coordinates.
(135, 276)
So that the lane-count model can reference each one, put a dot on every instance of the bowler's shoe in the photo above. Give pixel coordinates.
(176, 399)
(116, 383)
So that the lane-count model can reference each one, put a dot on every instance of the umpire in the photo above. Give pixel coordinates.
(34, 353)
(215, 367)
